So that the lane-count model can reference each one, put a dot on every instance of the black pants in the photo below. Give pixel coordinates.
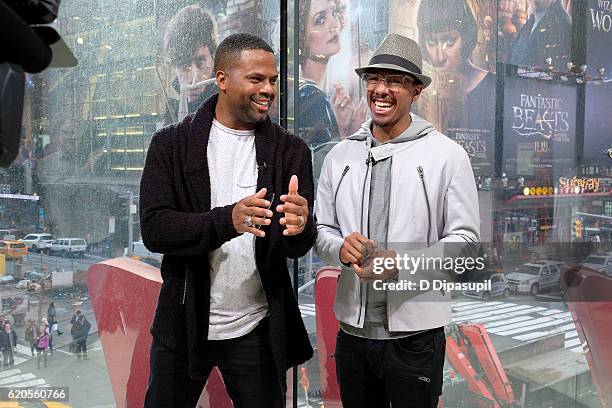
(7, 357)
(245, 364)
(81, 345)
(406, 372)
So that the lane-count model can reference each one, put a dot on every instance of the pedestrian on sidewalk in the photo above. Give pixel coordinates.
(81, 329)
(31, 334)
(47, 326)
(42, 344)
(8, 343)
(73, 330)
(51, 318)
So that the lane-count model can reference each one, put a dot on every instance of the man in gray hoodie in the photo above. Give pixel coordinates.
(395, 188)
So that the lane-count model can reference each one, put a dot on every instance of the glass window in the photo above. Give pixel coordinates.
(507, 88)
(522, 86)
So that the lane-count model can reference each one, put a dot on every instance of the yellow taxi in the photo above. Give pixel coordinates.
(13, 249)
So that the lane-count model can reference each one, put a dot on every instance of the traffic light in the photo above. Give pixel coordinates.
(578, 229)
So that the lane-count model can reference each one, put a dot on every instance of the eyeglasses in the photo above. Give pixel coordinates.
(393, 82)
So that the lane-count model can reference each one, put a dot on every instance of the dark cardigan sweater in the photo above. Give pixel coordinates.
(177, 221)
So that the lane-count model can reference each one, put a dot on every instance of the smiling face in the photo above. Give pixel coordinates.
(325, 22)
(247, 89)
(391, 110)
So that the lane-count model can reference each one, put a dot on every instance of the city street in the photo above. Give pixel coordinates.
(35, 260)
(510, 321)
(87, 380)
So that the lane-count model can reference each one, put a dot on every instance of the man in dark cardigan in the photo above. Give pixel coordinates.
(219, 197)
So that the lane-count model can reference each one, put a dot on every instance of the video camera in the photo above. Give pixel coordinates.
(27, 44)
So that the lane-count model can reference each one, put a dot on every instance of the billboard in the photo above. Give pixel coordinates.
(598, 125)
(539, 128)
(532, 31)
(458, 48)
(187, 37)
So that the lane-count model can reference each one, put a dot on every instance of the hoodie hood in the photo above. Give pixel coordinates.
(418, 129)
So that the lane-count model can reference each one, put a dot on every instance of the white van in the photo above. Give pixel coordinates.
(68, 247)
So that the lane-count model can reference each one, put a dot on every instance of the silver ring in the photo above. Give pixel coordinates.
(248, 221)
(301, 221)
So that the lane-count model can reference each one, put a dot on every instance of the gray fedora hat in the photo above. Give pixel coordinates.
(398, 53)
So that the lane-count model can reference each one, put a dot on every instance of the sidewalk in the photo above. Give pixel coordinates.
(87, 380)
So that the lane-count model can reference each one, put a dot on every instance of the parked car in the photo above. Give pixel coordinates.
(37, 242)
(532, 277)
(499, 287)
(13, 249)
(599, 262)
(7, 279)
(11, 233)
(68, 247)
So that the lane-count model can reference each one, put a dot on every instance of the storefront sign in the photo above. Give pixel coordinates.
(584, 185)
(21, 197)
(574, 185)
(41, 218)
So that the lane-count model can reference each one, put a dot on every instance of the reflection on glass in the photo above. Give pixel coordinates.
(547, 33)
(189, 47)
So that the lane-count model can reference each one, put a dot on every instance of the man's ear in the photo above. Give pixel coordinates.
(417, 92)
(221, 78)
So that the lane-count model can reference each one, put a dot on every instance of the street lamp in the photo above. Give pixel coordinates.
(132, 209)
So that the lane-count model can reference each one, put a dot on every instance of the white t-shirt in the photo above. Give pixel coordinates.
(237, 299)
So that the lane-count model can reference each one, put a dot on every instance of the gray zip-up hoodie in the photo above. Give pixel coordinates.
(433, 201)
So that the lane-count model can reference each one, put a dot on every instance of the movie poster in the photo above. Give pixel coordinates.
(597, 126)
(331, 104)
(458, 48)
(188, 33)
(599, 37)
(539, 129)
(531, 31)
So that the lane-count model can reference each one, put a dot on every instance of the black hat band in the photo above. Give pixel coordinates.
(395, 60)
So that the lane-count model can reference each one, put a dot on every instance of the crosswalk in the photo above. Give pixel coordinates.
(22, 355)
(307, 309)
(14, 378)
(522, 322)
